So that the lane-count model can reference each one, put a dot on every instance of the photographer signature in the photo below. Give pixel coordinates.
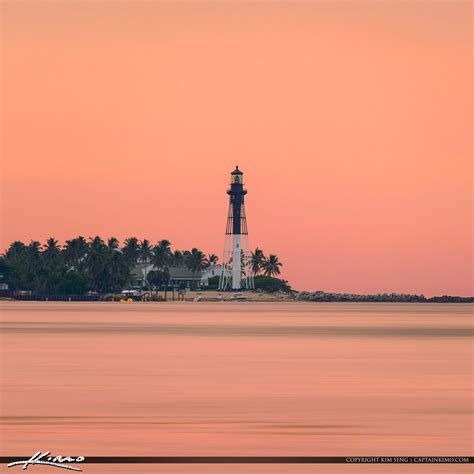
(46, 459)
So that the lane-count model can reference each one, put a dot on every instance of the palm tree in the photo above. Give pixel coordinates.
(15, 249)
(131, 249)
(75, 250)
(52, 248)
(34, 249)
(212, 259)
(145, 251)
(162, 256)
(186, 254)
(159, 278)
(33, 265)
(96, 263)
(118, 270)
(177, 258)
(257, 260)
(271, 266)
(196, 261)
(30, 268)
(52, 269)
(113, 244)
(162, 259)
(96, 244)
(15, 260)
(74, 278)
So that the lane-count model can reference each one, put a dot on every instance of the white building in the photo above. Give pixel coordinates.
(212, 271)
(180, 277)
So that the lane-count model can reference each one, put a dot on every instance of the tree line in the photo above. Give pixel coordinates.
(104, 266)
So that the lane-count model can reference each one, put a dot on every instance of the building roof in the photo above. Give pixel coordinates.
(183, 273)
(236, 171)
(214, 270)
(176, 273)
(138, 271)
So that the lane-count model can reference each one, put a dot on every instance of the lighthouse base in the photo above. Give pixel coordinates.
(236, 265)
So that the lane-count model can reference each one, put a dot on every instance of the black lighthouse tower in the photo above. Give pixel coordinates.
(236, 268)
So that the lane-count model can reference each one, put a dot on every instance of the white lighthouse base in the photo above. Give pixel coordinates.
(236, 263)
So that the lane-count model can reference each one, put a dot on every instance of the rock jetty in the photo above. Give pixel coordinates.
(322, 296)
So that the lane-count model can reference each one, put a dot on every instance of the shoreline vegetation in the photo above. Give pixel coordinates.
(97, 270)
(86, 267)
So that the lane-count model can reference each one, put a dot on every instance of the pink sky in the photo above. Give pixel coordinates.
(351, 120)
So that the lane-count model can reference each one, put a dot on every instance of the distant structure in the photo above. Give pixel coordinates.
(212, 271)
(236, 264)
(180, 277)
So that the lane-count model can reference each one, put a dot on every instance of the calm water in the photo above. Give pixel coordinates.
(237, 378)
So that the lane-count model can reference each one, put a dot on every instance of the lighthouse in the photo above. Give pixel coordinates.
(236, 268)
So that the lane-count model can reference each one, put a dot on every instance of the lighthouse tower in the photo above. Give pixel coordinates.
(236, 265)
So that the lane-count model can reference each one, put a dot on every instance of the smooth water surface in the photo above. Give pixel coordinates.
(237, 379)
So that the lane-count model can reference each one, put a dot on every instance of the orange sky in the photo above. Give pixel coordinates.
(351, 120)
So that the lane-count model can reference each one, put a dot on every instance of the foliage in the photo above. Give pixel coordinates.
(213, 283)
(268, 266)
(162, 256)
(271, 284)
(196, 260)
(79, 266)
(158, 278)
(271, 266)
(131, 249)
(257, 259)
(177, 258)
(82, 265)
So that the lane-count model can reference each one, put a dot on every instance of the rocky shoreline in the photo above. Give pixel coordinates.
(321, 296)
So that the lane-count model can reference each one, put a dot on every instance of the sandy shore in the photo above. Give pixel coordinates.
(214, 296)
